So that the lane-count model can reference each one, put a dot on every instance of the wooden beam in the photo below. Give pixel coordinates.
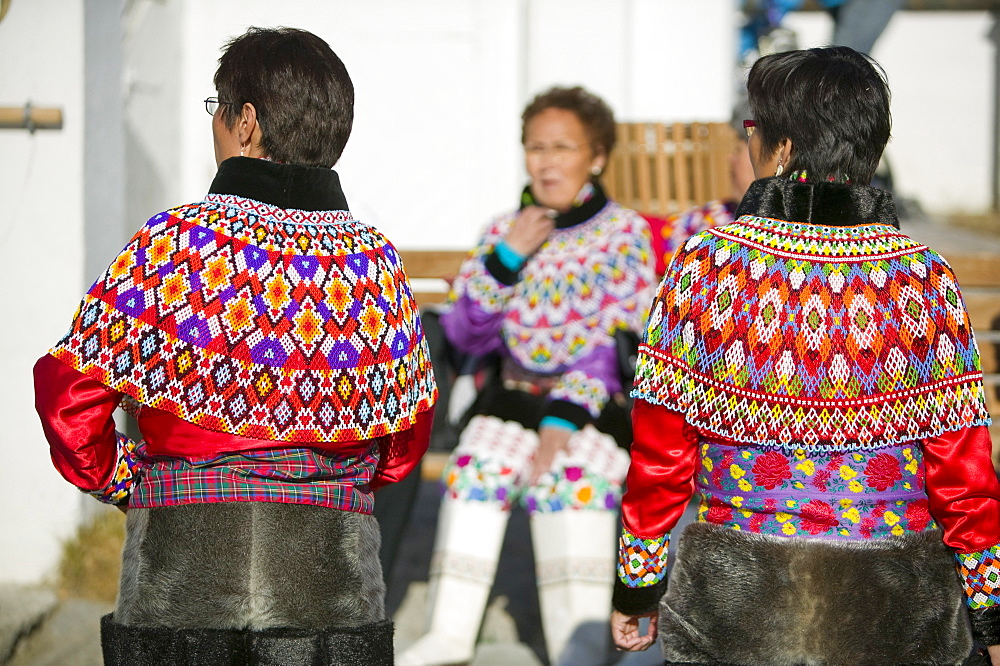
(30, 118)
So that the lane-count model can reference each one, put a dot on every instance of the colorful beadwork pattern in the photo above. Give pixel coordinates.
(865, 495)
(670, 233)
(125, 474)
(244, 318)
(584, 283)
(642, 562)
(493, 456)
(804, 336)
(581, 389)
(981, 572)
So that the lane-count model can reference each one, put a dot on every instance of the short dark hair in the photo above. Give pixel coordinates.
(832, 102)
(597, 118)
(301, 90)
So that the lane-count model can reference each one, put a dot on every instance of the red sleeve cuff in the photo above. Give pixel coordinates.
(76, 414)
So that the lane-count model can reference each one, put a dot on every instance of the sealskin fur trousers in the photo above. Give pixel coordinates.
(739, 598)
(249, 583)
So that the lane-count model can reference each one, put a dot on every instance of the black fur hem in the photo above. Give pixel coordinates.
(637, 600)
(986, 625)
(154, 646)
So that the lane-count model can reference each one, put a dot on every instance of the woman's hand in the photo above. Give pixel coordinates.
(550, 442)
(531, 228)
(625, 631)
(994, 651)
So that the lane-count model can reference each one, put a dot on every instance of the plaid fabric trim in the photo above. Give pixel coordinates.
(980, 571)
(642, 562)
(123, 479)
(289, 475)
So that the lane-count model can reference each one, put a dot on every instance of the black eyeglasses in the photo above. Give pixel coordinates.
(212, 104)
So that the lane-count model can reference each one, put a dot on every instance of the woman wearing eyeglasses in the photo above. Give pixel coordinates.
(545, 290)
(270, 349)
(811, 372)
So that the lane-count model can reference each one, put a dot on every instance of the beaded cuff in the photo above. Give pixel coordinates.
(642, 562)
(119, 488)
(980, 571)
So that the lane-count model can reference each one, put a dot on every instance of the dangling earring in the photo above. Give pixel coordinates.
(242, 149)
(780, 169)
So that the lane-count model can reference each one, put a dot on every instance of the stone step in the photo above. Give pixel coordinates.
(22, 610)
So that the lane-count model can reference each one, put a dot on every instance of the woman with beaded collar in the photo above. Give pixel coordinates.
(811, 371)
(270, 349)
(544, 289)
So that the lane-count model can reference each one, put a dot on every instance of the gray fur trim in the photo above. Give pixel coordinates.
(743, 598)
(250, 565)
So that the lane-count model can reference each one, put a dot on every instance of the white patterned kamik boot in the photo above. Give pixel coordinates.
(575, 566)
(464, 564)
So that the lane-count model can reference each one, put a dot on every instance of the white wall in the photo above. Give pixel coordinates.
(41, 241)
(440, 86)
(940, 67)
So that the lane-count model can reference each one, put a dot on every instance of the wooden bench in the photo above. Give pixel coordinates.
(662, 169)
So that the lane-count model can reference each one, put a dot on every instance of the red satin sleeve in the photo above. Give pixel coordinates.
(76, 413)
(963, 488)
(401, 451)
(660, 479)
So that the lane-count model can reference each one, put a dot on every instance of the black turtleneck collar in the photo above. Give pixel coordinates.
(830, 204)
(282, 185)
(573, 216)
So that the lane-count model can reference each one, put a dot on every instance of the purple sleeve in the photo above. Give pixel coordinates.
(471, 329)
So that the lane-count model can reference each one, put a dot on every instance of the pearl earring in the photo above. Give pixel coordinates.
(596, 170)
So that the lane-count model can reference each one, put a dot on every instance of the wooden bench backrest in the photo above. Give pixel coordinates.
(662, 169)
(429, 271)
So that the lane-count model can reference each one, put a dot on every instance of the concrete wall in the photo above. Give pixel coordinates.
(41, 269)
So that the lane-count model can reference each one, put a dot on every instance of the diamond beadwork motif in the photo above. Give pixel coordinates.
(641, 562)
(803, 336)
(981, 572)
(249, 319)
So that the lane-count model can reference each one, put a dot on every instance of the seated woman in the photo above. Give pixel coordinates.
(811, 371)
(545, 288)
(259, 337)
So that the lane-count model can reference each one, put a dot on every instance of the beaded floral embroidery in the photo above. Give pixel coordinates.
(865, 495)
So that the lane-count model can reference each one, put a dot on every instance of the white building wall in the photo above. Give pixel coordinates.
(941, 71)
(41, 270)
